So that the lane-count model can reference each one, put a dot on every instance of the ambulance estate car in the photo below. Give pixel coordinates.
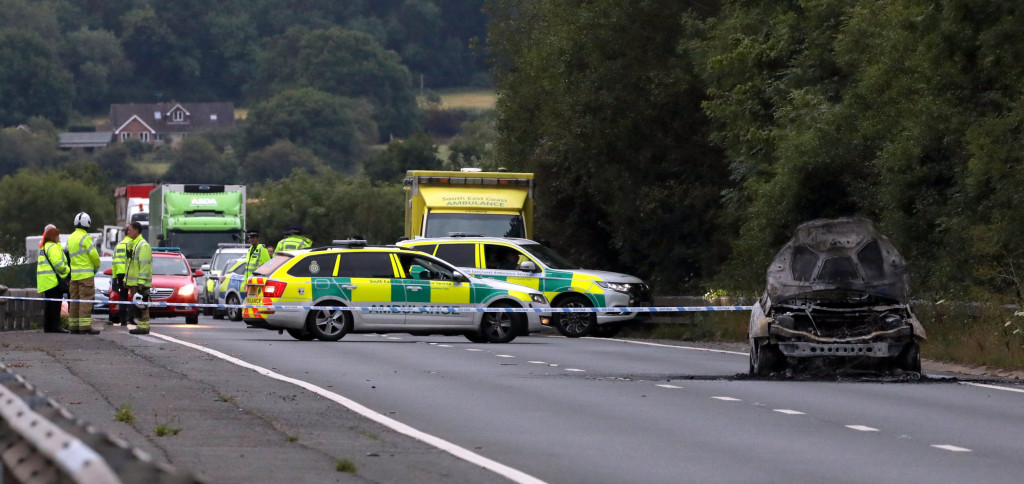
(528, 263)
(397, 290)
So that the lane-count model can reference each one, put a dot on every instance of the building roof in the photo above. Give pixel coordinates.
(200, 116)
(97, 139)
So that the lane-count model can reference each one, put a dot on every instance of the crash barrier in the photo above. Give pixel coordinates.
(42, 442)
(433, 309)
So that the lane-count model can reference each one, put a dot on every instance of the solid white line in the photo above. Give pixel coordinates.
(668, 386)
(951, 448)
(862, 428)
(788, 411)
(507, 472)
(673, 346)
(994, 387)
(727, 399)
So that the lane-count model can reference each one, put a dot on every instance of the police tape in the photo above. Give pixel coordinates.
(432, 309)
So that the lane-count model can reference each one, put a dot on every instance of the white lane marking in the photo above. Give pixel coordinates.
(444, 346)
(552, 364)
(673, 346)
(571, 369)
(993, 387)
(788, 411)
(473, 349)
(467, 455)
(727, 399)
(951, 448)
(539, 362)
(505, 356)
(862, 428)
(668, 386)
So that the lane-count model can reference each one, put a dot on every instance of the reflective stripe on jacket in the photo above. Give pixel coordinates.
(82, 253)
(46, 276)
(119, 263)
(140, 266)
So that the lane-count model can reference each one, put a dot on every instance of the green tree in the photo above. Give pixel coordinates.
(96, 61)
(416, 153)
(32, 80)
(32, 198)
(334, 128)
(343, 63)
(330, 206)
(21, 148)
(277, 161)
(197, 160)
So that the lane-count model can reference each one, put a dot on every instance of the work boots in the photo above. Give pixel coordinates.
(138, 331)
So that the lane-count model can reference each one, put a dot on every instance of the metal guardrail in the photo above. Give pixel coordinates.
(42, 442)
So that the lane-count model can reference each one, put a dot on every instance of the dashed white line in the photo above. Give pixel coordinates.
(788, 411)
(444, 346)
(862, 428)
(539, 362)
(727, 399)
(473, 349)
(668, 386)
(571, 369)
(951, 448)
(505, 356)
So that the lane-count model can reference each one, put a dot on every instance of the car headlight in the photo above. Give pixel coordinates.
(615, 286)
(187, 290)
(539, 298)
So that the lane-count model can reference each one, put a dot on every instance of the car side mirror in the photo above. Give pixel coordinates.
(198, 273)
(528, 266)
(204, 267)
(109, 272)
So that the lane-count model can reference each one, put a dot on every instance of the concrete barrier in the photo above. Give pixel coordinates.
(18, 314)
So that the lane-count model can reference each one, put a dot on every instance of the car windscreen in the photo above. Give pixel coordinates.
(271, 265)
(549, 257)
(483, 224)
(169, 266)
(199, 245)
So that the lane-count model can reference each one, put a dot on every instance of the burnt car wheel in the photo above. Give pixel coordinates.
(300, 334)
(499, 327)
(329, 324)
(234, 314)
(764, 358)
(575, 325)
(910, 358)
(606, 330)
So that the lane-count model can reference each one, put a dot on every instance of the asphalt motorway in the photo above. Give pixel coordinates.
(547, 408)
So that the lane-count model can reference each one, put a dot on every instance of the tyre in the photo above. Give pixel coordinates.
(192, 318)
(217, 314)
(234, 314)
(606, 330)
(764, 358)
(910, 358)
(329, 325)
(499, 327)
(475, 337)
(300, 334)
(575, 325)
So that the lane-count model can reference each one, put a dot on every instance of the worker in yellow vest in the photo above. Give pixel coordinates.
(293, 240)
(52, 273)
(256, 256)
(84, 263)
(139, 276)
(118, 267)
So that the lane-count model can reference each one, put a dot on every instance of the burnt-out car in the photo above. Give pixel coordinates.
(837, 298)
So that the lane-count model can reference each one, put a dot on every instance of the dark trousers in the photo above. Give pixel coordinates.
(51, 310)
(124, 311)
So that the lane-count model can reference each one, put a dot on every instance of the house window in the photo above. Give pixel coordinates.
(157, 115)
(213, 117)
(178, 116)
(125, 136)
(144, 136)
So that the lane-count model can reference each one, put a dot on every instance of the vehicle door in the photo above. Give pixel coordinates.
(433, 294)
(366, 279)
(503, 262)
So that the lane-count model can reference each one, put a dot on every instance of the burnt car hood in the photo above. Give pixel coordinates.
(837, 258)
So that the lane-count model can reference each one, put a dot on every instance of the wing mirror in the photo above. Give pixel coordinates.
(198, 273)
(204, 267)
(528, 266)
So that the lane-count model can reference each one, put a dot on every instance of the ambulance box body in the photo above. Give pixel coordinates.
(446, 203)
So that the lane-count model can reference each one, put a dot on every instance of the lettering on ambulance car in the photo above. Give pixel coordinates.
(475, 201)
(406, 309)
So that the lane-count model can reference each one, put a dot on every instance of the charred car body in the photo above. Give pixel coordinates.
(837, 297)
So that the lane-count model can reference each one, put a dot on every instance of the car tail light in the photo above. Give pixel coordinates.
(274, 288)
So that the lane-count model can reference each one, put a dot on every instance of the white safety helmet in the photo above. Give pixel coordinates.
(83, 220)
(139, 301)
